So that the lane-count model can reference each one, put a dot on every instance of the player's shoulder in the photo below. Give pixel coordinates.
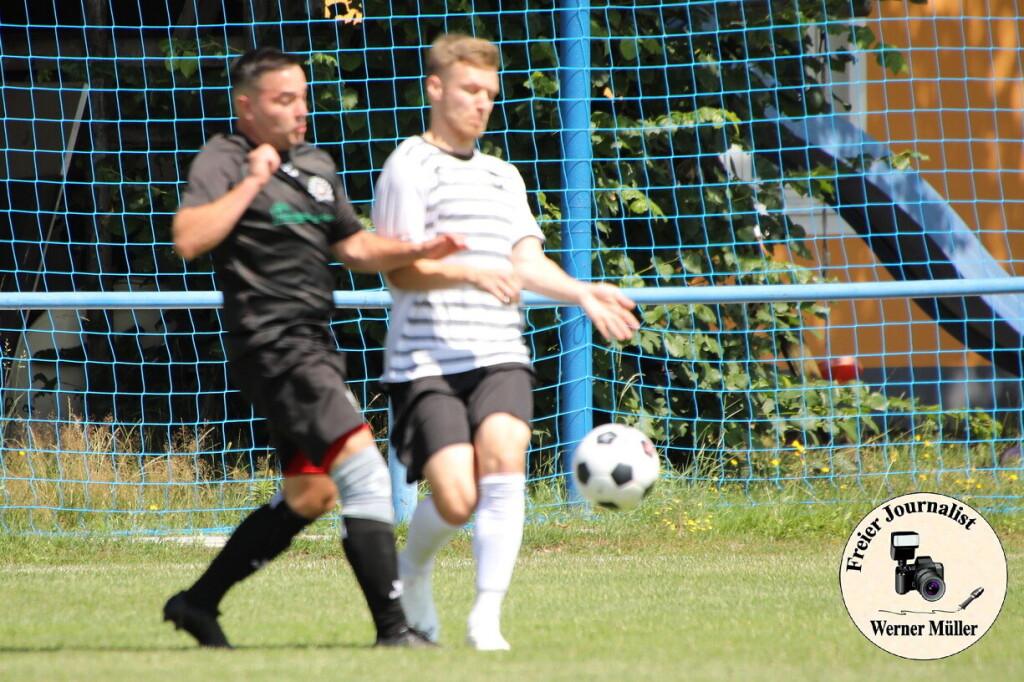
(494, 163)
(413, 160)
(498, 167)
(232, 145)
(220, 153)
(313, 159)
(412, 151)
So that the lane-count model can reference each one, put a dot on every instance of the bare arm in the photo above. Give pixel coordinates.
(197, 229)
(423, 275)
(608, 308)
(369, 252)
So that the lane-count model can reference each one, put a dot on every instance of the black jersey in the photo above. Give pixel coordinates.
(273, 268)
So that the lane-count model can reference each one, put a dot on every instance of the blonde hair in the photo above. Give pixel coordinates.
(455, 47)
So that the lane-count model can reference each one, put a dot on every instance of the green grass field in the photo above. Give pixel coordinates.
(672, 591)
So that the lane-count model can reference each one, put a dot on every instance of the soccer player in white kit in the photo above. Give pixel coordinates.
(457, 368)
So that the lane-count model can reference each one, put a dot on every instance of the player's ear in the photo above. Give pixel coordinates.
(242, 105)
(434, 88)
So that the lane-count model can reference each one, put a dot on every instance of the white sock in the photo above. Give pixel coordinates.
(496, 540)
(428, 533)
(486, 613)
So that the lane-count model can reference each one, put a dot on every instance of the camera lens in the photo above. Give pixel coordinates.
(930, 585)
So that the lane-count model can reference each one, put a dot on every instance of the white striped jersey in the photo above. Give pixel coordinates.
(424, 191)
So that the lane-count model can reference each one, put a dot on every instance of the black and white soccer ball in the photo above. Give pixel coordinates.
(615, 466)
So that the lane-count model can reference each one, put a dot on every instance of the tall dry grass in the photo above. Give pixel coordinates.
(75, 476)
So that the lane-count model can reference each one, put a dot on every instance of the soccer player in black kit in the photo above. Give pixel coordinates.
(271, 210)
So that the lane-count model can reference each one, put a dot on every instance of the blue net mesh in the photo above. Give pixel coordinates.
(726, 144)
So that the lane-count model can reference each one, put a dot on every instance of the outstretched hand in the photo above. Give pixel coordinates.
(611, 311)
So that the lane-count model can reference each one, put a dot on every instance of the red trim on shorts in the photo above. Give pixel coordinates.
(300, 464)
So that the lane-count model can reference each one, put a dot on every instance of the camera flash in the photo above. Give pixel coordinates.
(905, 539)
(902, 545)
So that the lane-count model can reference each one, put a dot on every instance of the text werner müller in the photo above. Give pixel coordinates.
(935, 627)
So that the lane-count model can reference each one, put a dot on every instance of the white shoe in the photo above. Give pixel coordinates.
(418, 602)
(487, 639)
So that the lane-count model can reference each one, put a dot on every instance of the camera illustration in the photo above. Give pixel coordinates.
(923, 575)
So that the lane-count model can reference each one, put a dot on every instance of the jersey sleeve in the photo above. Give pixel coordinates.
(399, 207)
(524, 220)
(346, 222)
(213, 173)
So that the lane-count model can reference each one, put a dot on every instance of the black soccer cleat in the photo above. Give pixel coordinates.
(409, 638)
(200, 624)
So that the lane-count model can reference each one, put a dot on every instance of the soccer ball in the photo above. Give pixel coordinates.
(615, 466)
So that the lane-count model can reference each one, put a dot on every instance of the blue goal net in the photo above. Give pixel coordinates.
(814, 203)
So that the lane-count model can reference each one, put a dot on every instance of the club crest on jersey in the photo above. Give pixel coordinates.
(320, 189)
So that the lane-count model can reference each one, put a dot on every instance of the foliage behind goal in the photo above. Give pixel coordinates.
(853, 148)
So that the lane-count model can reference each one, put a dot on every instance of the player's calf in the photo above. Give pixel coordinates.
(364, 486)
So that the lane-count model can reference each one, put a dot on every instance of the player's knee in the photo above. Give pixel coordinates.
(502, 432)
(502, 461)
(455, 509)
(501, 444)
(364, 485)
(455, 516)
(310, 508)
(313, 502)
(327, 502)
(309, 496)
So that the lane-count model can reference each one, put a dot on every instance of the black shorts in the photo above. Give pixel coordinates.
(432, 413)
(297, 383)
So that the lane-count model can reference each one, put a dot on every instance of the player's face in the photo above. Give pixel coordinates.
(275, 111)
(461, 100)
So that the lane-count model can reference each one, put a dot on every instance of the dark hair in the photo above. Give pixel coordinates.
(248, 68)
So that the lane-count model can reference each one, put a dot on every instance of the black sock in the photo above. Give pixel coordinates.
(370, 548)
(263, 535)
